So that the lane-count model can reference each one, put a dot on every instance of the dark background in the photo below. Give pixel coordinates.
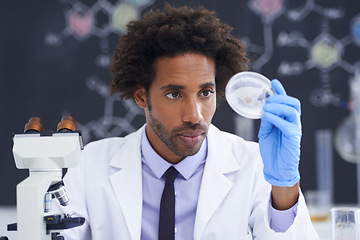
(47, 69)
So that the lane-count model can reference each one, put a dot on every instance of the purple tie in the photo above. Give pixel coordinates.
(167, 207)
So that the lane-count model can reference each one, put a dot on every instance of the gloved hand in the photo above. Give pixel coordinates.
(279, 138)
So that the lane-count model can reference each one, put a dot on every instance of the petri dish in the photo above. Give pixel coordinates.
(247, 92)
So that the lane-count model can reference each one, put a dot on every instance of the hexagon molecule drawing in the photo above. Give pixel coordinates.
(100, 20)
(325, 52)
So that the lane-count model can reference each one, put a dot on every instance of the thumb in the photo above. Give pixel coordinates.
(265, 127)
(278, 87)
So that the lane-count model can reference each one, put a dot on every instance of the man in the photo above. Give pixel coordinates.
(175, 64)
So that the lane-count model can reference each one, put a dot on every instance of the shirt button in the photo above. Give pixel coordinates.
(175, 230)
(175, 193)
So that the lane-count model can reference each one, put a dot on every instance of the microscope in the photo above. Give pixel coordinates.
(45, 154)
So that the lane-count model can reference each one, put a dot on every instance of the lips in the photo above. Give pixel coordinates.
(191, 137)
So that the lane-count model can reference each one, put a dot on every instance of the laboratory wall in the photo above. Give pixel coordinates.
(55, 58)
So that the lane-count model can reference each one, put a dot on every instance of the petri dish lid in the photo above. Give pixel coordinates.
(246, 93)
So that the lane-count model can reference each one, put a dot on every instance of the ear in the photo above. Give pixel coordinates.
(140, 96)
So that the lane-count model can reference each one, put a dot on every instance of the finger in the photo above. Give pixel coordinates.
(286, 100)
(286, 112)
(278, 87)
(265, 128)
(287, 128)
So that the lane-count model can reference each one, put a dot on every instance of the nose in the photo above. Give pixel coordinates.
(192, 111)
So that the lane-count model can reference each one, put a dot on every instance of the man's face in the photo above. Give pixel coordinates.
(180, 105)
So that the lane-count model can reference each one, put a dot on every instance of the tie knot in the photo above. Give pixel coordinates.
(170, 175)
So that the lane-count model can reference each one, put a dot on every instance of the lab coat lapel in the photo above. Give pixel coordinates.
(215, 184)
(127, 182)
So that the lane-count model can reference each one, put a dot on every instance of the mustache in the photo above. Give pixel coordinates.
(190, 126)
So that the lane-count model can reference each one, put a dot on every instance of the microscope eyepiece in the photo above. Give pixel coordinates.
(67, 123)
(34, 125)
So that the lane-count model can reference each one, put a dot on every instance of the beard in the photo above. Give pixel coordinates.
(171, 139)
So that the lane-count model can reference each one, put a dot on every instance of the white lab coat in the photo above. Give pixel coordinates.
(106, 189)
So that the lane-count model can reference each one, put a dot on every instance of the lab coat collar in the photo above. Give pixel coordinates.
(158, 165)
(127, 182)
(215, 183)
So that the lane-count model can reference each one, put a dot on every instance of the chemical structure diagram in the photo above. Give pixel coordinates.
(100, 20)
(109, 125)
(325, 52)
(105, 17)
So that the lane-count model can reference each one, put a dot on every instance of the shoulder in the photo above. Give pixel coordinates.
(108, 147)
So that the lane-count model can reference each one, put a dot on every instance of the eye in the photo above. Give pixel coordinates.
(173, 95)
(207, 92)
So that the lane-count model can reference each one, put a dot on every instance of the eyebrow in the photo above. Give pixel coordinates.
(209, 84)
(173, 86)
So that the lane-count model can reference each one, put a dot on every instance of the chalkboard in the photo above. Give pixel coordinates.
(55, 56)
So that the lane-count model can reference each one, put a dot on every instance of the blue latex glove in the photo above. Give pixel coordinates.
(279, 138)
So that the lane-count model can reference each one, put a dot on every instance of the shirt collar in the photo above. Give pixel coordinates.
(158, 165)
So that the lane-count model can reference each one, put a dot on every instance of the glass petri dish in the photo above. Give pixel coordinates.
(247, 92)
